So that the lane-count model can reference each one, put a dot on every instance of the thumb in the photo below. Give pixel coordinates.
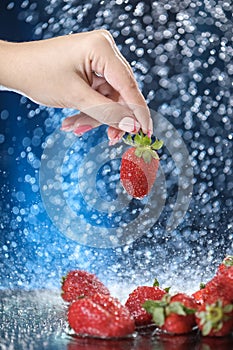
(104, 110)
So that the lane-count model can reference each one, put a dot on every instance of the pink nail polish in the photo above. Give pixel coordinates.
(66, 127)
(82, 129)
(67, 124)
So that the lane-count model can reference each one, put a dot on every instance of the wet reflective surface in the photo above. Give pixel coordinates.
(37, 320)
(181, 54)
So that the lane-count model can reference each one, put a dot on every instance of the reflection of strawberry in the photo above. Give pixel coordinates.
(139, 165)
(93, 343)
(214, 343)
(178, 342)
(138, 297)
(215, 319)
(81, 283)
(173, 314)
(100, 315)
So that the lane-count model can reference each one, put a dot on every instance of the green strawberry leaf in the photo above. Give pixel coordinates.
(228, 261)
(156, 283)
(207, 327)
(154, 155)
(137, 139)
(228, 308)
(156, 309)
(158, 316)
(150, 305)
(157, 144)
(147, 156)
(177, 308)
(146, 141)
(128, 140)
(138, 152)
(202, 285)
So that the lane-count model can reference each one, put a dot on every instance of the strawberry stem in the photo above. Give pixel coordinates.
(144, 146)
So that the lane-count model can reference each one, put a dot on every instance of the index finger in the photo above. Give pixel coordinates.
(118, 73)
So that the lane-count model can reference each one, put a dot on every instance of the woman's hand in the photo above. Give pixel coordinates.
(84, 71)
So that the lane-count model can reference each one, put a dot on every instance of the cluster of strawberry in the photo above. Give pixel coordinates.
(92, 311)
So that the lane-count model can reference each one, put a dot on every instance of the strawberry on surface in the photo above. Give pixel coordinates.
(220, 287)
(79, 283)
(139, 165)
(138, 297)
(199, 294)
(224, 277)
(173, 314)
(209, 293)
(101, 316)
(215, 319)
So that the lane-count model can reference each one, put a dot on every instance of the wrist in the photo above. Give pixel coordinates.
(7, 62)
(12, 66)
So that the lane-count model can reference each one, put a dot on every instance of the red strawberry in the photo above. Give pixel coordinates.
(138, 297)
(224, 278)
(209, 293)
(139, 165)
(100, 315)
(199, 294)
(81, 283)
(220, 286)
(215, 319)
(173, 314)
(212, 291)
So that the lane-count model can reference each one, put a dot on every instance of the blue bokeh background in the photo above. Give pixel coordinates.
(178, 79)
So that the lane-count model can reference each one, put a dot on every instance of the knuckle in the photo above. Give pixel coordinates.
(103, 35)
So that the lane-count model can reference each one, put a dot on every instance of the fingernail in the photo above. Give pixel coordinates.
(129, 124)
(66, 127)
(67, 124)
(82, 129)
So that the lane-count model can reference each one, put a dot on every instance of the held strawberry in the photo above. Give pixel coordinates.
(139, 165)
(100, 316)
(79, 283)
(138, 297)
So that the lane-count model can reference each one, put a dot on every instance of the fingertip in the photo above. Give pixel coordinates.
(150, 131)
(114, 135)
